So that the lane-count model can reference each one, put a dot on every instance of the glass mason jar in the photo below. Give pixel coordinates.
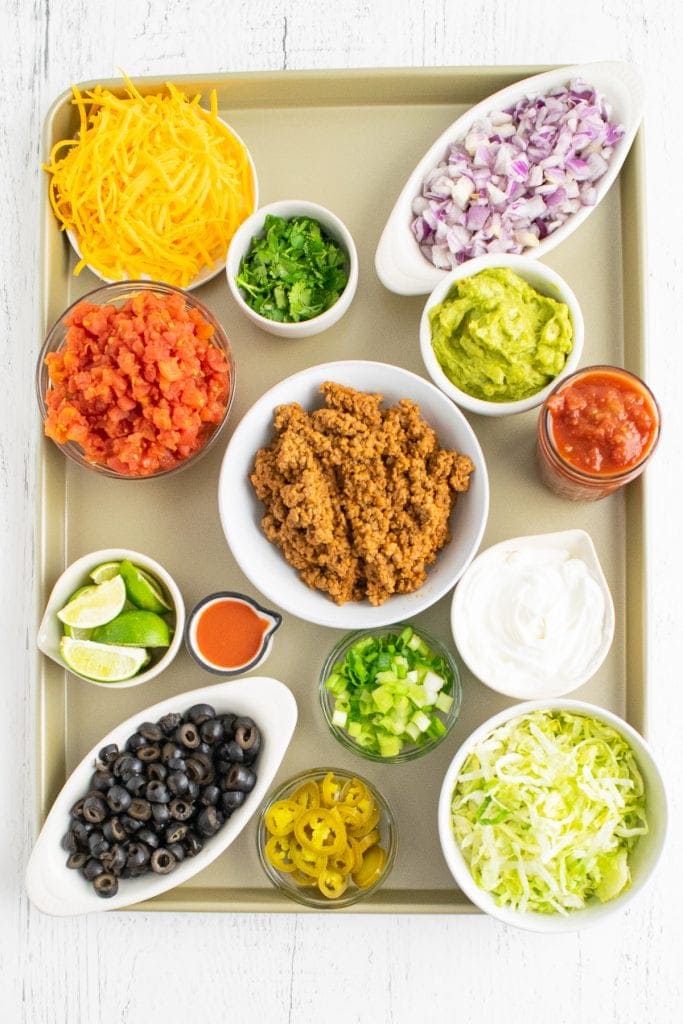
(558, 471)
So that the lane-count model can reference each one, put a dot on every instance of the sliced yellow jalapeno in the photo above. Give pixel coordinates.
(332, 883)
(278, 851)
(321, 830)
(330, 790)
(371, 869)
(308, 861)
(307, 795)
(280, 817)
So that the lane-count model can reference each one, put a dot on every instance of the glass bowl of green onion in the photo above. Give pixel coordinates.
(390, 694)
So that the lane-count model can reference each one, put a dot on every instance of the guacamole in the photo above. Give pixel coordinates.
(498, 339)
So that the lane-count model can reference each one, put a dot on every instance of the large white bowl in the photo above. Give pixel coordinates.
(253, 227)
(544, 280)
(401, 266)
(77, 575)
(241, 511)
(642, 860)
(60, 891)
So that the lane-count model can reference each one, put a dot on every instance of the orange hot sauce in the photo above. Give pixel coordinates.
(230, 633)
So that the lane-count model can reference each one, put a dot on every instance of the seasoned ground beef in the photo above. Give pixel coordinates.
(358, 497)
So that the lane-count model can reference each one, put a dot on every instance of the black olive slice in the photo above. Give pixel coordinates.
(170, 722)
(151, 731)
(92, 868)
(240, 777)
(209, 820)
(106, 885)
(180, 809)
(163, 861)
(119, 799)
(140, 810)
(94, 809)
(199, 713)
(232, 799)
(76, 860)
(108, 754)
(152, 752)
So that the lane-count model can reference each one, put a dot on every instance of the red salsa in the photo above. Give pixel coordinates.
(603, 423)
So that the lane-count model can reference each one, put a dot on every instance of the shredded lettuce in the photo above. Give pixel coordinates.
(546, 810)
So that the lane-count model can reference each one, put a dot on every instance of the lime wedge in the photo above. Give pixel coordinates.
(94, 605)
(104, 663)
(77, 632)
(134, 629)
(143, 590)
(106, 571)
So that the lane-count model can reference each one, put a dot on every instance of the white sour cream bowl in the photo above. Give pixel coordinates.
(533, 617)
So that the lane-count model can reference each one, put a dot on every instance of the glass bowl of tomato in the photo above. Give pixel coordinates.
(390, 694)
(135, 380)
(327, 838)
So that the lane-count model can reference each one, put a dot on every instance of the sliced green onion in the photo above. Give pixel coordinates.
(390, 692)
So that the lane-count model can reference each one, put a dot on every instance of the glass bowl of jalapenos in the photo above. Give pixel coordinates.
(327, 838)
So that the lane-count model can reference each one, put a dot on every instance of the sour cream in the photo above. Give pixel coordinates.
(533, 617)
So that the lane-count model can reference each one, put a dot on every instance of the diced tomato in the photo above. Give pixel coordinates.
(137, 387)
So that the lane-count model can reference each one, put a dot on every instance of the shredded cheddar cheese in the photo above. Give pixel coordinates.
(152, 187)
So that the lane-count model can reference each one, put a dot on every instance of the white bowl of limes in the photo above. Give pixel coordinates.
(114, 618)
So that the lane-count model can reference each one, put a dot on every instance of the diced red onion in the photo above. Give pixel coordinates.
(516, 176)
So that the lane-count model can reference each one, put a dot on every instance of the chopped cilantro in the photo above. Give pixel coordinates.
(293, 272)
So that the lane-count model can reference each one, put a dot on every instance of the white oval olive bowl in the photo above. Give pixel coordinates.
(399, 262)
(253, 226)
(642, 860)
(544, 280)
(77, 575)
(241, 511)
(62, 892)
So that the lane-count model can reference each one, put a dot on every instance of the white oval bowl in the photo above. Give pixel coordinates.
(253, 226)
(580, 545)
(75, 576)
(241, 511)
(642, 861)
(401, 266)
(208, 273)
(62, 892)
(546, 281)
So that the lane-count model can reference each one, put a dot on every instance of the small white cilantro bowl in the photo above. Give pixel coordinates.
(253, 227)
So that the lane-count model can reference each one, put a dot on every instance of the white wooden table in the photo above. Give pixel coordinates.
(134, 968)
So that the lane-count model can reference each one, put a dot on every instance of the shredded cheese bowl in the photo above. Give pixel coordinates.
(552, 815)
(135, 380)
(151, 187)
